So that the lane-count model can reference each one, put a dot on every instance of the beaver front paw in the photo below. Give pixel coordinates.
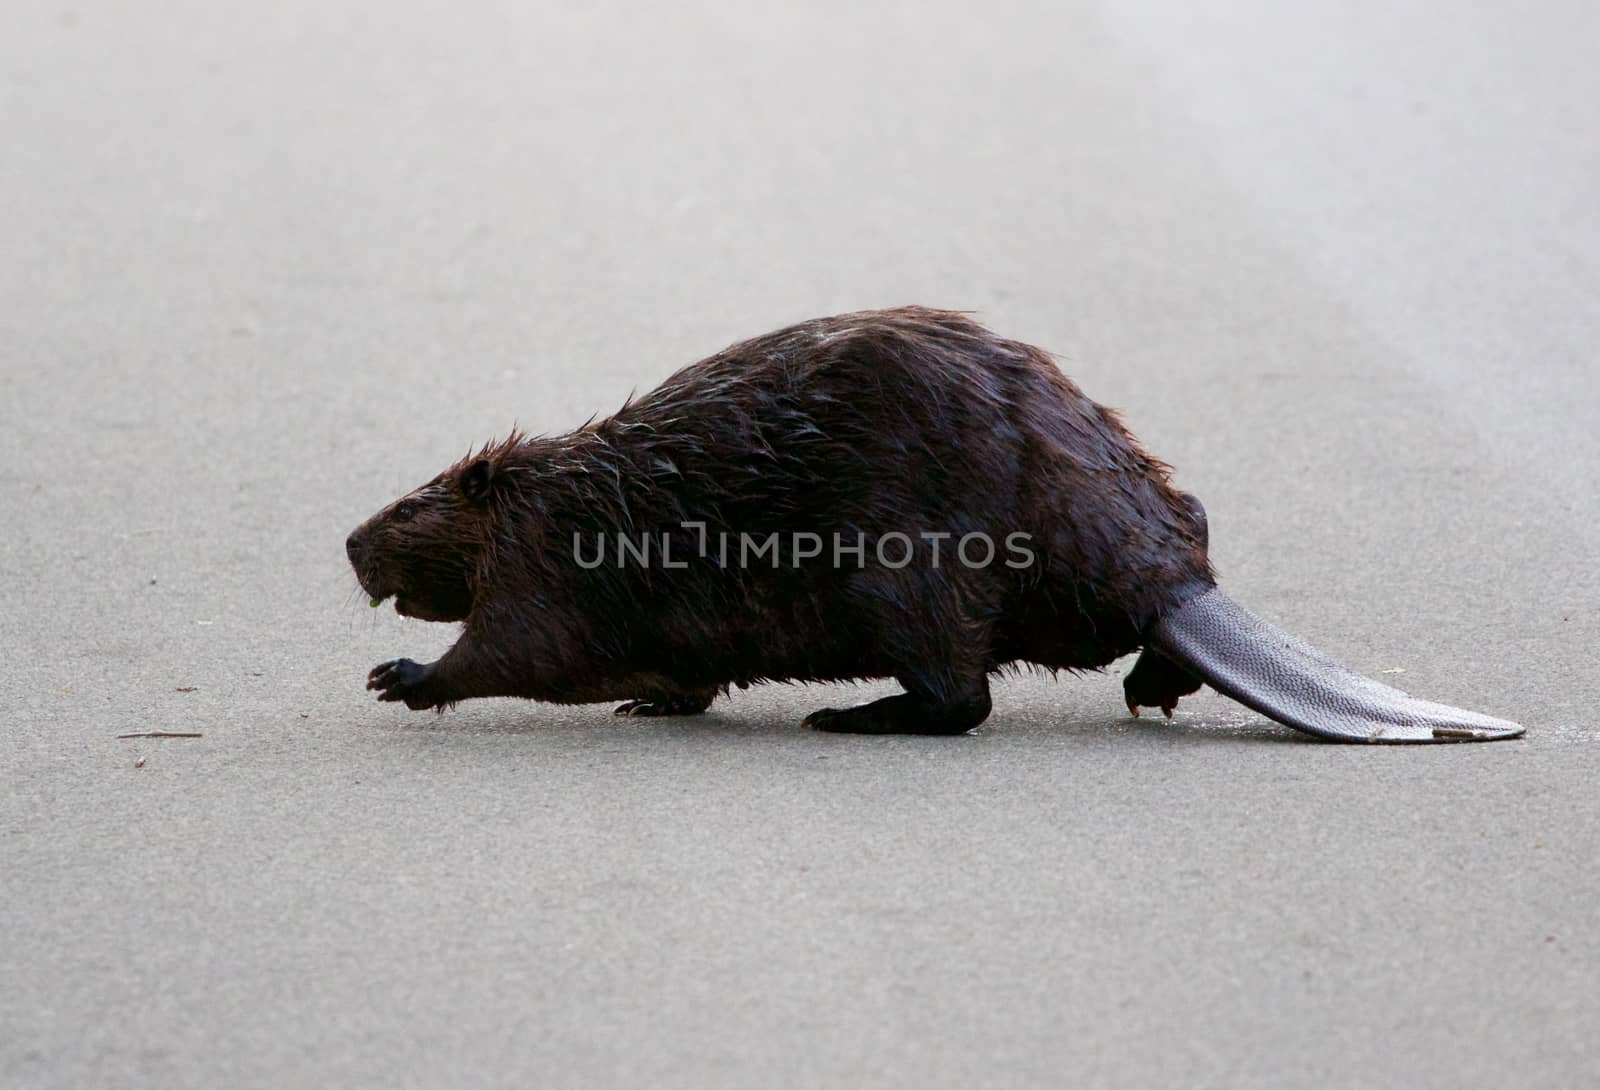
(404, 680)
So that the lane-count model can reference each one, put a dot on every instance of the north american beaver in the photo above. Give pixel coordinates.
(896, 493)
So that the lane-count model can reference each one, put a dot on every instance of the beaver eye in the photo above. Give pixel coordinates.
(405, 512)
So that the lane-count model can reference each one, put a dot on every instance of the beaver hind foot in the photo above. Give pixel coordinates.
(1157, 682)
(905, 713)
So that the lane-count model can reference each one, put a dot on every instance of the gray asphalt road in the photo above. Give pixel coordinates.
(266, 267)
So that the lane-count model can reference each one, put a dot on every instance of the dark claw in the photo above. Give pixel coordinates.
(378, 676)
(818, 719)
(658, 708)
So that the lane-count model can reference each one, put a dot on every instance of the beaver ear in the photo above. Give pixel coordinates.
(477, 481)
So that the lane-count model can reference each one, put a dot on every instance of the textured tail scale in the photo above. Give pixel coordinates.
(1282, 677)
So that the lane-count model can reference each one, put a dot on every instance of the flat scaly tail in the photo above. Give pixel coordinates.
(1211, 639)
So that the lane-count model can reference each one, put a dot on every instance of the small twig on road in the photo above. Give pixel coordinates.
(161, 734)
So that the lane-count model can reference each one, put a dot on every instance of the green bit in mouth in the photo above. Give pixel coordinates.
(376, 602)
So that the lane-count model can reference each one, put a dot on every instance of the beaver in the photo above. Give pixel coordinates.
(885, 494)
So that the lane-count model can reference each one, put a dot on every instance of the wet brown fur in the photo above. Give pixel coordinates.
(905, 420)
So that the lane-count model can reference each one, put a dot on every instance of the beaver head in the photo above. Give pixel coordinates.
(425, 549)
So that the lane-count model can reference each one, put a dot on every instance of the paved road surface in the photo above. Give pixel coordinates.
(267, 266)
